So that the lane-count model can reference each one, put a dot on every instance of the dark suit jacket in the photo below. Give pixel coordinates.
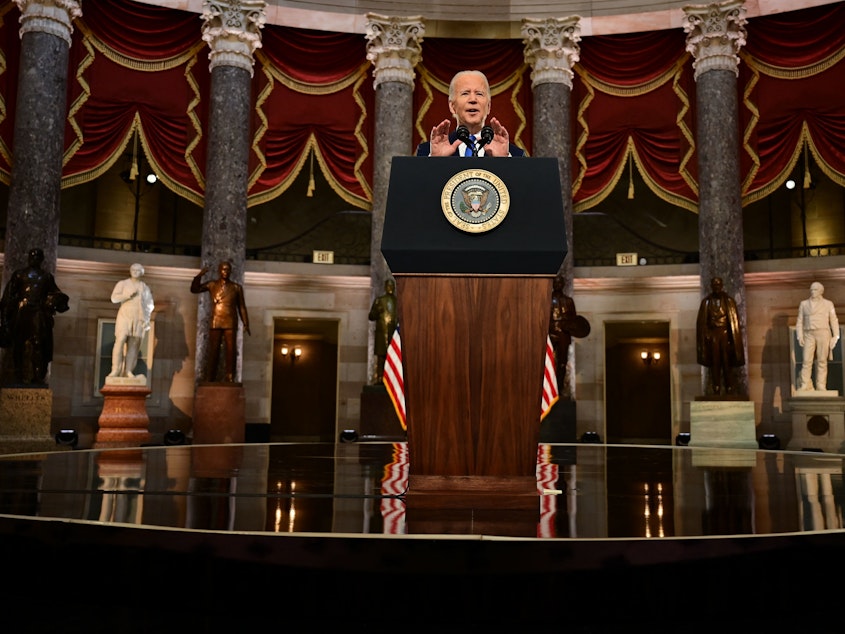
(424, 149)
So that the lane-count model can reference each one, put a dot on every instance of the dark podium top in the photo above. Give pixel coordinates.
(419, 239)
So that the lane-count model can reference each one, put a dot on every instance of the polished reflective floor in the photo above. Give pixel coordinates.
(317, 523)
(583, 491)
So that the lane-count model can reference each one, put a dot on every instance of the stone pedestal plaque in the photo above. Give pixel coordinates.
(25, 416)
(219, 414)
(123, 421)
(818, 421)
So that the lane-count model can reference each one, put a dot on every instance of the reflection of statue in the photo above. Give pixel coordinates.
(817, 329)
(719, 344)
(29, 301)
(564, 324)
(133, 320)
(383, 312)
(228, 304)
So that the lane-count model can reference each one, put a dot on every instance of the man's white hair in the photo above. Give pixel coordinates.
(464, 73)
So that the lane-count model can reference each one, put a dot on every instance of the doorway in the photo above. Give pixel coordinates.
(638, 399)
(304, 396)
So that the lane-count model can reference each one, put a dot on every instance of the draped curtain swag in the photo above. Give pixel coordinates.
(141, 68)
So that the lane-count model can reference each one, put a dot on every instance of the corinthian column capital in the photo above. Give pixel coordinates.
(551, 48)
(232, 29)
(393, 46)
(715, 33)
(49, 16)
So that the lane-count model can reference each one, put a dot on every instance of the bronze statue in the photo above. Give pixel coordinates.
(817, 329)
(383, 312)
(564, 324)
(29, 302)
(132, 321)
(228, 304)
(719, 343)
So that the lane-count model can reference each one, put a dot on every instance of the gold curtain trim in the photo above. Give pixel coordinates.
(583, 137)
(632, 91)
(517, 107)
(425, 83)
(800, 72)
(362, 140)
(196, 124)
(683, 97)
(749, 129)
(134, 63)
(4, 150)
(305, 87)
(261, 130)
(80, 101)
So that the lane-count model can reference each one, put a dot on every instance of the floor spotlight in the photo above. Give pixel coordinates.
(348, 435)
(174, 437)
(591, 437)
(682, 439)
(768, 441)
(67, 438)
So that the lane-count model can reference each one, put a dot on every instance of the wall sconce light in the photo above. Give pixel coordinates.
(293, 352)
(650, 357)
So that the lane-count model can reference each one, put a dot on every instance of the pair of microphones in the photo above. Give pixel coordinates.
(485, 137)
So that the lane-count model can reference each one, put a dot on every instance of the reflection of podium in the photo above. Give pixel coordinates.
(474, 316)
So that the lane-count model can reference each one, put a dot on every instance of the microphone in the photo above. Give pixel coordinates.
(463, 134)
(486, 135)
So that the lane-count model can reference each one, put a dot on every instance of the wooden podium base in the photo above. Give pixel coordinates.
(472, 492)
(219, 414)
(124, 421)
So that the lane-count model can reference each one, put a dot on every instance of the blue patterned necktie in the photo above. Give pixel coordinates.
(470, 146)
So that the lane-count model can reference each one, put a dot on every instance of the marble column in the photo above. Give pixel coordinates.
(32, 217)
(551, 49)
(394, 49)
(232, 30)
(715, 34)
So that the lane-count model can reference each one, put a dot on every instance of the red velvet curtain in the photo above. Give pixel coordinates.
(139, 67)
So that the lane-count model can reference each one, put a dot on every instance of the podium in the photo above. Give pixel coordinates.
(474, 245)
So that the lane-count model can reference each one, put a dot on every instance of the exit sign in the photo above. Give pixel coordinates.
(626, 259)
(323, 257)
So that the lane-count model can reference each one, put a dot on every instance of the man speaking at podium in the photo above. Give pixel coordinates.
(469, 102)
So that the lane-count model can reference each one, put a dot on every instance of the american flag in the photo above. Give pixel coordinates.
(394, 377)
(550, 394)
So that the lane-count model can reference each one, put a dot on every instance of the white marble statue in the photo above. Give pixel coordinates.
(132, 322)
(817, 329)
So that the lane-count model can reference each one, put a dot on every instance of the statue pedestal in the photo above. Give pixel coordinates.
(723, 423)
(124, 421)
(379, 420)
(25, 416)
(219, 414)
(818, 420)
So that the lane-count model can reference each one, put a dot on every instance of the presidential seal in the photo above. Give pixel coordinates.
(475, 201)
